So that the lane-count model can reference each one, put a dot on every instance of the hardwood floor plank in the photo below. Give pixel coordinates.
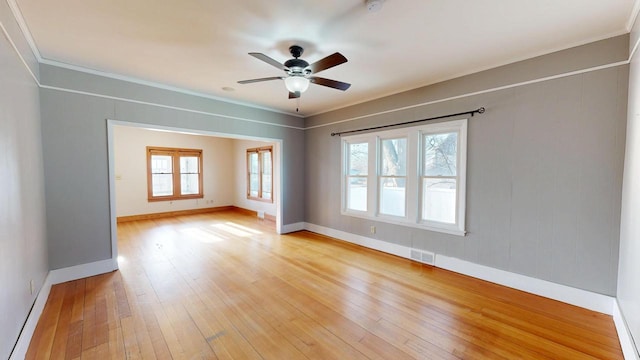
(46, 329)
(89, 316)
(74, 340)
(131, 348)
(224, 285)
(59, 346)
(218, 331)
(160, 347)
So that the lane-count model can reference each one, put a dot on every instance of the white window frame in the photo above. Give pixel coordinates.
(413, 195)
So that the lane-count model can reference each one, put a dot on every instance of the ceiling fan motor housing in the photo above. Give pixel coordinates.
(296, 63)
(296, 67)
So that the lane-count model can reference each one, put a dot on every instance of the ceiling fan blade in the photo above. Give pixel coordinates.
(327, 62)
(268, 60)
(330, 83)
(261, 79)
(294, 95)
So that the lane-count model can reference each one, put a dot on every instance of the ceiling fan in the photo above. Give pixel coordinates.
(300, 73)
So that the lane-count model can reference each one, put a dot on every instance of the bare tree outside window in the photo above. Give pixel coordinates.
(393, 176)
(439, 183)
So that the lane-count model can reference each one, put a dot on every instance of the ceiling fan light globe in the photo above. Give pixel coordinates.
(296, 84)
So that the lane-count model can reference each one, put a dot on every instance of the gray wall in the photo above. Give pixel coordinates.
(23, 246)
(75, 151)
(629, 266)
(544, 166)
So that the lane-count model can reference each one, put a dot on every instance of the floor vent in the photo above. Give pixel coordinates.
(423, 256)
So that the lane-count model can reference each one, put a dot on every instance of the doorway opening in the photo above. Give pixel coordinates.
(225, 178)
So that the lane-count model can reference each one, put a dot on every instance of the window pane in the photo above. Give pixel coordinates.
(440, 154)
(392, 196)
(254, 168)
(394, 157)
(266, 162)
(161, 164)
(358, 158)
(189, 184)
(266, 186)
(439, 200)
(162, 184)
(254, 183)
(357, 194)
(189, 164)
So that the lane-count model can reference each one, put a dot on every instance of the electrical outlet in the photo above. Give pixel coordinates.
(32, 287)
(373, 229)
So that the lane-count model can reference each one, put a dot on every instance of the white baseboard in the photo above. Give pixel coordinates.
(289, 228)
(629, 349)
(56, 277)
(20, 351)
(82, 271)
(567, 294)
(384, 246)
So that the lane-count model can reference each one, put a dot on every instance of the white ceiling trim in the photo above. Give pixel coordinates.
(634, 15)
(159, 86)
(167, 106)
(27, 34)
(606, 66)
(17, 14)
(15, 48)
(475, 71)
(35, 79)
(529, 82)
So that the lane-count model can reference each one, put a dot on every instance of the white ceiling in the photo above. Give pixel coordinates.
(202, 45)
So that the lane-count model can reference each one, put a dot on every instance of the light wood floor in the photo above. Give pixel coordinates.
(225, 286)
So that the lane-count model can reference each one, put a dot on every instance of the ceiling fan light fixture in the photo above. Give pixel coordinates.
(296, 84)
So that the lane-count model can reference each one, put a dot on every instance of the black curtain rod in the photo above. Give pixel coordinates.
(472, 112)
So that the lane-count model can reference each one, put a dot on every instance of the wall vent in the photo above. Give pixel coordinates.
(423, 256)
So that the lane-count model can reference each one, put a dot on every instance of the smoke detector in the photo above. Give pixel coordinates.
(374, 5)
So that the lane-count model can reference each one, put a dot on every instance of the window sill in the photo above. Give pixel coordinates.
(393, 221)
(270, 201)
(173, 198)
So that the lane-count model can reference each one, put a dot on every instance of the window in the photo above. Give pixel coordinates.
(260, 174)
(412, 176)
(174, 174)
